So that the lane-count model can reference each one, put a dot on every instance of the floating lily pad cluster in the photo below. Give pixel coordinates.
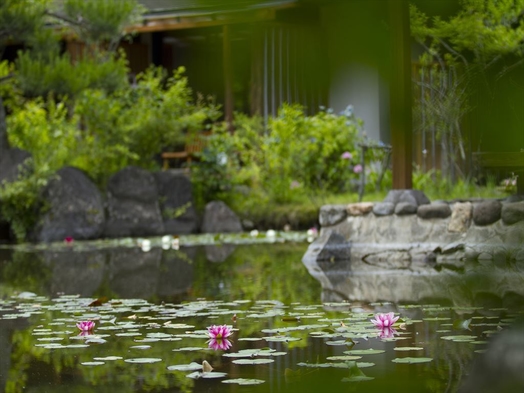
(176, 337)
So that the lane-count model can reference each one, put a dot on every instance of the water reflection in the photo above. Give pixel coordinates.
(269, 281)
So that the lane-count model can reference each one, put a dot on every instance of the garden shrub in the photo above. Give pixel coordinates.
(99, 132)
(298, 159)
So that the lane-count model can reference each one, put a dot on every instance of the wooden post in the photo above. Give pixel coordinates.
(400, 95)
(228, 77)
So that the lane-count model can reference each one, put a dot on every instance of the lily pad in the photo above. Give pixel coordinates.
(210, 374)
(460, 338)
(408, 349)
(92, 363)
(193, 366)
(244, 381)
(365, 351)
(410, 360)
(253, 361)
(108, 358)
(143, 360)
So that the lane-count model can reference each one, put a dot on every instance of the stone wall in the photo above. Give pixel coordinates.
(406, 227)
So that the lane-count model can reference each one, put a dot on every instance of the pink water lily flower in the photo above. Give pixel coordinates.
(387, 332)
(346, 155)
(85, 326)
(384, 320)
(219, 344)
(219, 331)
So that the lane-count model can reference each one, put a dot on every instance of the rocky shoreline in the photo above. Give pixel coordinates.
(407, 228)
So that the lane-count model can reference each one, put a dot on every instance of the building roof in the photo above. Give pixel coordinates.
(187, 8)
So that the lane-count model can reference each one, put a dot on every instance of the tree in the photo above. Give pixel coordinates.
(485, 38)
(41, 68)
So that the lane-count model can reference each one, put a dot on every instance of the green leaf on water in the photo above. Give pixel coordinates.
(410, 360)
(143, 360)
(92, 363)
(193, 366)
(364, 351)
(244, 381)
(253, 361)
(408, 348)
(108, 358)
(459, 338)
(210, 374)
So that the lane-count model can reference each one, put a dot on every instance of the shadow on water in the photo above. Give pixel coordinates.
(269, 280)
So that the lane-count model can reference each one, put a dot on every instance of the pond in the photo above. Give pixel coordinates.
(294, 328)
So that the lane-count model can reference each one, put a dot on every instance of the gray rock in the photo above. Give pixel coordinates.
(176, 203)
(332, 214)
(460, 217)
(383, 209)
(12, 163)
(133, 183)
(434, 210)
(415, 197)
(334, 248)
(132, 204)
(403, 208)
(512, 212)
(393, 196)
(219, 218)
(486, 212)
(514, 198)
(75, 208)
(359, 209)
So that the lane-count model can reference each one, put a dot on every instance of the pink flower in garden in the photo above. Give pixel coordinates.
(219, 344)
(85, 326)
(384, 320)
(294, 184)
(357, 168)
(387, 332)
(69, 240)
(346, 155)
(218, 332)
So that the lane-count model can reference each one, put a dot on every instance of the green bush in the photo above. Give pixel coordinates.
(298, 159)
(99, 131)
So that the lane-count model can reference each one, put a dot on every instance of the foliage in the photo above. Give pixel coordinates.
(459, 53)
(55, 73)
(20, 19)
(99, 22)
(298, 158)
(488, 30)
(21, 204)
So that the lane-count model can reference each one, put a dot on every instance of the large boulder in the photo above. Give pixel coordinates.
(176, 202)
(218, 217)
(512, 212)
(11, 163)
(75, 208)
(486, 212)
(132, 204)
(332, 214)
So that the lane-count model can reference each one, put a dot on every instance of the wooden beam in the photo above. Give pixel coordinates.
(180, 23)
(400, 95)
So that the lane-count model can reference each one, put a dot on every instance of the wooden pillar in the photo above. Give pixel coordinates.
(400, 95)
(228, 77)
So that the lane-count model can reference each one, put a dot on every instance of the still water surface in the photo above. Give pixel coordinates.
(295, 328)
